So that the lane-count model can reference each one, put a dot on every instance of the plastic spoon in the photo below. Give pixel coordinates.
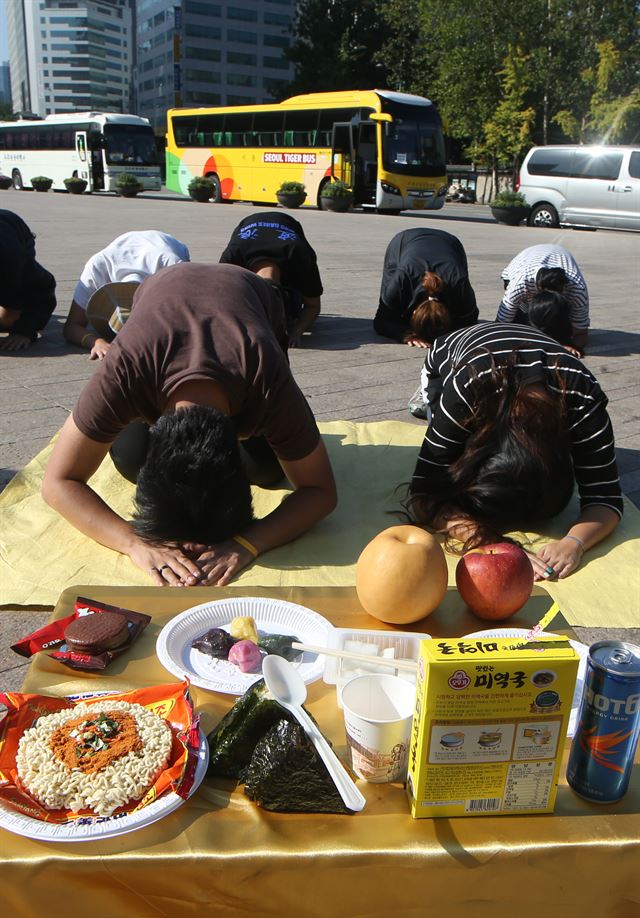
(288, 689)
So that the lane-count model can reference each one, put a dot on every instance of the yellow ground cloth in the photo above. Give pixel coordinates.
(41, 554)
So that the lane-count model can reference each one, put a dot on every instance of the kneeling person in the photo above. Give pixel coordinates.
(273, 245)
(199, 360)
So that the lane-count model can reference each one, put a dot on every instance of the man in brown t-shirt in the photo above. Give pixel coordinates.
(200, 360)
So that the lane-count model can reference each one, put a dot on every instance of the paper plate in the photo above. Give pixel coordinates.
(95, 828)
(272, 616)
(581, 649)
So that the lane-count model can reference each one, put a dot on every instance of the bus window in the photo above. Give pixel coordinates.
(125, 143)
(183, 129)
(413, 143)
(268, 129)
(237, 126)
(300, 128)
(210, 126)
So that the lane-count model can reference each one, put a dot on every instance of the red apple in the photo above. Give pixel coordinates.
(495, 580)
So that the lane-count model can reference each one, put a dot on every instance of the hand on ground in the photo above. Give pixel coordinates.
(219, 563)
(167, 565)
(413, 341)
(563, 557)
(99, 349)
(14, 342)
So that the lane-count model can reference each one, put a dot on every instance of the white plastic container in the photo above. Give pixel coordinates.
(399, 645)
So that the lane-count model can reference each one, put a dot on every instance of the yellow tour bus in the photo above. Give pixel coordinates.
(387, 146)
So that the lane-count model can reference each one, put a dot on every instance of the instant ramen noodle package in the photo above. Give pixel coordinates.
(64, 758)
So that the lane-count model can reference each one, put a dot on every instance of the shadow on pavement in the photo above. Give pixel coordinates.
(605, 341)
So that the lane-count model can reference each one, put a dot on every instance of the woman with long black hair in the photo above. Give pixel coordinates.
(516, 421)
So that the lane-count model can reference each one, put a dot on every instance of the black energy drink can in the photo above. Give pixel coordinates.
(603, 749)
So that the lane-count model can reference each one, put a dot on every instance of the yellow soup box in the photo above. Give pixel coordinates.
(489, 725)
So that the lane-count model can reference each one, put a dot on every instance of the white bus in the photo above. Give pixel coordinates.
(96, 146)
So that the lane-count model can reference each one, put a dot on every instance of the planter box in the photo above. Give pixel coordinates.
(338, 205)
(291, 200)
(512, 216)
(202, 195)
(130, 191)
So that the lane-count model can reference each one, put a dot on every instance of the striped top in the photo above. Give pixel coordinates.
(521, 274)
(540, 358)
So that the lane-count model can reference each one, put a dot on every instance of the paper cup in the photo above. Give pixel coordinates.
(378, 710)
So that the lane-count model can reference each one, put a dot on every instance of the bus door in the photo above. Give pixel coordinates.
(342, 152)
(366, 160)
(84, 166)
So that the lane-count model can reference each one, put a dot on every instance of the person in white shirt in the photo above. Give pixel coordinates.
(133, 256)
(543, 285)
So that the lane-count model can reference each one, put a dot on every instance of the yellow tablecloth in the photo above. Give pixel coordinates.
(221, 855)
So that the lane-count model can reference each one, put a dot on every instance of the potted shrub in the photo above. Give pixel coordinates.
(336, 196)
(5, 182)
(291, 194)
(41, 183)
(510, 207)
(127, 185)
(200, 189)
(75, 185)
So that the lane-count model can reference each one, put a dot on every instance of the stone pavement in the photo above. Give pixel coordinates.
(344, 369)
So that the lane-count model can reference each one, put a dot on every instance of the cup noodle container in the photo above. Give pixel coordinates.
(378, 711)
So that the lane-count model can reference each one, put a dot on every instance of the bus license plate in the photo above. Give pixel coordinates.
(418, 204)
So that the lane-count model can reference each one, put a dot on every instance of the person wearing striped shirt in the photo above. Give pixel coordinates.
(541, 282)
(516, 421)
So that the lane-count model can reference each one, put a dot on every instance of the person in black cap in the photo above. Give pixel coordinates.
(273, 245)
(27, 290)
(425, 289)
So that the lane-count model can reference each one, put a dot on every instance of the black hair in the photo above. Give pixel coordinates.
(192, 486)
(549, 312)
(516, 468)
(551, 279)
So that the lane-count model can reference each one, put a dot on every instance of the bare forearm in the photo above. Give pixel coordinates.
(88, 513)
(298, 513)
(593, 525)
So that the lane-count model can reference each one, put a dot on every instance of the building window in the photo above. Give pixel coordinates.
(276, 41)
(245, 38)
(241, 57)
(203, 76)
(202, 9)
(241, 79)
(236, 12)
(277, 19)
(277, 63)
(203, 54)
(201, 31)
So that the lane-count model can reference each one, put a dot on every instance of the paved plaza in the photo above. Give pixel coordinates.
(344, 369)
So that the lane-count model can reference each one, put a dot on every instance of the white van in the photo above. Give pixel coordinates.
(582, 186)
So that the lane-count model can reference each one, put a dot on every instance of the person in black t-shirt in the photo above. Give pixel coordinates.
(425, 289)
(27, 290)
(273, 245)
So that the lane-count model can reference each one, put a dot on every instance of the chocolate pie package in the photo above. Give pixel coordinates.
(90, 638)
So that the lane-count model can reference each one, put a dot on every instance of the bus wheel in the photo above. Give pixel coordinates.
(216, 195)
(17, 180)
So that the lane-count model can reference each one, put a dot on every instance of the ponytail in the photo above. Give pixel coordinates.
(431, 317)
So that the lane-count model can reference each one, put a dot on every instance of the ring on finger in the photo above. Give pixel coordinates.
(549, 571)
(163, 568)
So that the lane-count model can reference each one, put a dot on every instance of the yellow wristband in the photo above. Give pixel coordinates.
(246, 544)
(84, 338)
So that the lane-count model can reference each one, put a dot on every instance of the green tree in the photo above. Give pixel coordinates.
(613, 113)
(6, 112)
(507, 133)
(335, 46)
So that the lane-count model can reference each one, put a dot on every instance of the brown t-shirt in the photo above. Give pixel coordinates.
(201, 322)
